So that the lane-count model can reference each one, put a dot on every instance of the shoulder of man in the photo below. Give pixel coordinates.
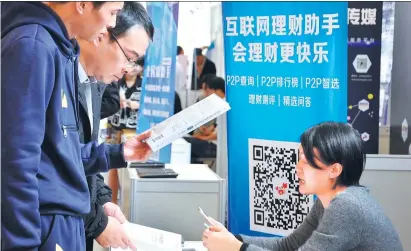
(31, 31)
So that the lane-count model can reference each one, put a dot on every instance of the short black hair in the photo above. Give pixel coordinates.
(215, 83)
(336, 143)
(206, 77)
(199, 52)
(132, 14)
(179, 49)
(98, 4)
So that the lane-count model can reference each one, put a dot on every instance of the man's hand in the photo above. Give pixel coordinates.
(137, 150)
(111, 209)
(114, 236)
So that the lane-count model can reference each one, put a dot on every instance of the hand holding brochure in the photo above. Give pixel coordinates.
(186, 121)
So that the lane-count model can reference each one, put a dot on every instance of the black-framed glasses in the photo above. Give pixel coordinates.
(132, 64)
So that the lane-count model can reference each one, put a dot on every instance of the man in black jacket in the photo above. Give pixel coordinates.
(97, 223)
(202, 67)
(106, 60)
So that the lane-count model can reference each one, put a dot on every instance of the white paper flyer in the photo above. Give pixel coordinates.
(186, 121)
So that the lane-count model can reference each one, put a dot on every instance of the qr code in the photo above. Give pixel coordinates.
(362, 63)
(276, 205)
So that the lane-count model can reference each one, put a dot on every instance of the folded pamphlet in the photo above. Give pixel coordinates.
(186, 121)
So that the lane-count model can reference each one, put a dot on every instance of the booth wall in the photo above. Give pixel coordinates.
(388, 176)
(391, 189)
(400, 117)
(217, 37)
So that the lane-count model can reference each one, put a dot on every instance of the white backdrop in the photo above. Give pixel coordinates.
(216, 30)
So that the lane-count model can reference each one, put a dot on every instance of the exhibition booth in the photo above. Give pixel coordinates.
(287, 66)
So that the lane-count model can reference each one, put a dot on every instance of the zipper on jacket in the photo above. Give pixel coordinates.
(76, 90)
(66, 128)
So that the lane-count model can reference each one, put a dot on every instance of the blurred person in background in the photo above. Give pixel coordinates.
(203, 66)
(123, 124)
(212, 85)
(209, 127)
(180, 50)
(181, 77)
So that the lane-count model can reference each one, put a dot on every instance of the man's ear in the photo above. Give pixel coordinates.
(97, 41)
(80, 7)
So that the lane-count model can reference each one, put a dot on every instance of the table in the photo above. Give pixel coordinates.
(172, 204)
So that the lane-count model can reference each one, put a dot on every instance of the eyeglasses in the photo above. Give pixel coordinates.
(131, 63)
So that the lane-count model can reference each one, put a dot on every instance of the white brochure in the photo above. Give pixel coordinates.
(186, 121)
(151, 239)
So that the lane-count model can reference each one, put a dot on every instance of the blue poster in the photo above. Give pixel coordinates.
(286, 70)
(158, 92)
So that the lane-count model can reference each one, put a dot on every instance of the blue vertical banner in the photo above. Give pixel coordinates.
(286, 70)
(158, 92)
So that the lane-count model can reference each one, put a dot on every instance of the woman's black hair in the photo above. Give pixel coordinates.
(132, 14)
(336, 143)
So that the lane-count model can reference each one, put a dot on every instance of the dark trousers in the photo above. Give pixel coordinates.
(89, 244)
(60, 232)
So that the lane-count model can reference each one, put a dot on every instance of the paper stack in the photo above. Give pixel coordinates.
(151, 239)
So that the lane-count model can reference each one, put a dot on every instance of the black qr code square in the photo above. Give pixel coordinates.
(276, 205)
(362, 63)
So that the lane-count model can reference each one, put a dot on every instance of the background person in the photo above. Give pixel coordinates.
(181, 77)
(204, 66)
(123, 124)
(209, 127)
(345, 216)
(212, 85)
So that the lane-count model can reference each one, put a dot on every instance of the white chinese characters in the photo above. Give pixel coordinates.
(364, 16)
(288, 52)
(330, 83)
(279, 101)
(284, 25)
(157, 71)
(239, 52)
(297, 25)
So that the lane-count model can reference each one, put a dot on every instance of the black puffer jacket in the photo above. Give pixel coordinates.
(105, 102)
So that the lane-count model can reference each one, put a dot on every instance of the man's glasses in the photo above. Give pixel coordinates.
(131, 63)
